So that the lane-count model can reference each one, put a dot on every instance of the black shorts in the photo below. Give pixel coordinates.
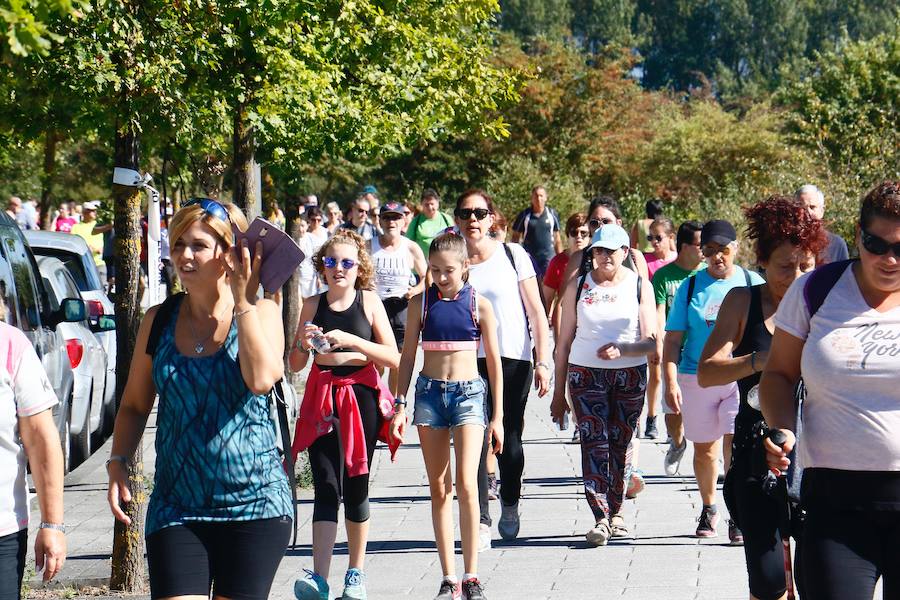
(237, 559)
(396, 312)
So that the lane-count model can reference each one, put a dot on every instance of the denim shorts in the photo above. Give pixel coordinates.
(442, 404)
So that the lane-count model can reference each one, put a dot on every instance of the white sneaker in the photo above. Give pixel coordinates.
(508, 525)
(673, 457)
(484, 537)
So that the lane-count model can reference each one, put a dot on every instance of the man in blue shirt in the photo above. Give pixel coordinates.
(537, 228)
(708, 413)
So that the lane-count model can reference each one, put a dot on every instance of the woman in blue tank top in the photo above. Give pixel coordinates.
(220, 513)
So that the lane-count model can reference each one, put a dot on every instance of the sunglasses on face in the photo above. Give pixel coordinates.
(580, 233)
(879, 246)
(596, 223)
(331, 262)
(210, 207)
(655, 238)
(391, 217)
(710, 251)
(466, 213)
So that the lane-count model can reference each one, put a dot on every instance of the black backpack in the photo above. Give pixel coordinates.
(276, 397)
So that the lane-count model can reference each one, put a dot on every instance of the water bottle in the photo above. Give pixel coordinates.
(563, 422)
(319, 342)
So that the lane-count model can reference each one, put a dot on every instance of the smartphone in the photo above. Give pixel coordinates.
(280, 253)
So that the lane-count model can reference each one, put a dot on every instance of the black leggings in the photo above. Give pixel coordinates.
(517, 376)
(12, 563)
(845, 552)
(326, 462)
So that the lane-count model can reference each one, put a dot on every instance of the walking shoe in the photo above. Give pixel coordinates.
(635, 479)
(493, 487)
(312, 587)
(472, 590)
(618, 527)
(484, 537)
(734, 534)
(449, 591)
(707, 524)
(354, 585)
(673, 457)
(508, 525)
(599, 534)
(576, 436)
(650, 431)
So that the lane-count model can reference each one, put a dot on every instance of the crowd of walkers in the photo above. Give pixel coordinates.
(781, 367)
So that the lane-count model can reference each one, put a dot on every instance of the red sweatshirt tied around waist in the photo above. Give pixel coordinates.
(317, 415)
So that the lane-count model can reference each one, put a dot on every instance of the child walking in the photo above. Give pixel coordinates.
(453, 320)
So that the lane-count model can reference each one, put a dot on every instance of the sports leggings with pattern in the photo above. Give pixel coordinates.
(607, 406)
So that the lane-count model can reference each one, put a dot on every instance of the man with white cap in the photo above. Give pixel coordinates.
(814, 200)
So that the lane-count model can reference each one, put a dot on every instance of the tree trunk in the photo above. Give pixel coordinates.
(291, 300)
(128, 541)
(48, 177)
(244, 150)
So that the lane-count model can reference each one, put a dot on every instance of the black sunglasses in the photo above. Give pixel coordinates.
(879, 246)
(466, 213)
(595, 223)
(655, 238)
(210, 207)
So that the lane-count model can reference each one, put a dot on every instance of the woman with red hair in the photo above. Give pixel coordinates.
(787, 240)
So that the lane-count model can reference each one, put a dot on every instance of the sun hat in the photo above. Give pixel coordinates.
(610, 236)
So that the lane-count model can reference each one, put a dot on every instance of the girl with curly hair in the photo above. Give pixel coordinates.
(343, 385)
(787, 241)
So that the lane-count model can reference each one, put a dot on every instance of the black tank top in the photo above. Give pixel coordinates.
(352, 320)
(756, 338)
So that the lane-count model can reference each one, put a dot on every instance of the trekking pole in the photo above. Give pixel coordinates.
(778, 438)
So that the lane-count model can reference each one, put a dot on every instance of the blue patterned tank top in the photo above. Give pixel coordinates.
(216, 455)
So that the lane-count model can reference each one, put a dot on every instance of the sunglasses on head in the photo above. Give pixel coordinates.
(210, 207)
(595, 223)
(466, 213)
(655, 238)
(879, 246)
(709, 251)
(331, 262)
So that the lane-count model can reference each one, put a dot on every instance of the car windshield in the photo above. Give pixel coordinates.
(85, 279)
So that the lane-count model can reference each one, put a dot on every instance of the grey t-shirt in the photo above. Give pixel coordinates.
(851, 369)
(538, 233)
(836, 250)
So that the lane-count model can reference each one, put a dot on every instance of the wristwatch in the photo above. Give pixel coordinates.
(118, 457)
(401, 400)
(54, 526)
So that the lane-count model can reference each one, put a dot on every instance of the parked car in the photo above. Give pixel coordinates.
(28, 308)
(86, 356)
(73, 251)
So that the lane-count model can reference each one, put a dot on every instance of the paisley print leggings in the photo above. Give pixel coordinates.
(607, 405)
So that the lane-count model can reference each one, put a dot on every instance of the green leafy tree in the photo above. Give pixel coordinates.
(27, 24)
(529, 18)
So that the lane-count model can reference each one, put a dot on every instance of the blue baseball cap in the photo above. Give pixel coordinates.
(610, 236)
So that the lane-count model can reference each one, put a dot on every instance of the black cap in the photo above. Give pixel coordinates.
(719, 232)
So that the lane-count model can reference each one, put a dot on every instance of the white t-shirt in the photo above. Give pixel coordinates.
(498, 281)
(851, 369)
(24, 391)
(606, 314)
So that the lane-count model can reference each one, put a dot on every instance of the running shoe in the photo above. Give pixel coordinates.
(312, 587)
(599, 534)
(706, 527)
(735, 536)
(673, 457)
(354, 585)
(650, 431)
(493, 487)
(635, 478)
(450, 590)
(508, 525)
(472, 590)
(484, 537)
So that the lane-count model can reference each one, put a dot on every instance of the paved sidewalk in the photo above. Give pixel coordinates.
(549, 560)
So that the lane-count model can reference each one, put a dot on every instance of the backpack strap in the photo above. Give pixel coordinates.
(747, 280)
(162, 318)
(820, 282)
(580, 287)
(692, 281)
(640, 284)
(277, 397)
(509, 255)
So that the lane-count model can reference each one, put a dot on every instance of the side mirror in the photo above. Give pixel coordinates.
(103, 323)
(72, 310)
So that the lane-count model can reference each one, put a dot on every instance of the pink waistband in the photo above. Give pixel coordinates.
(450, 346)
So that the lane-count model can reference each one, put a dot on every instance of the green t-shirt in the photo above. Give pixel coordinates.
(422, 230)
(666, 281)
(85, 230)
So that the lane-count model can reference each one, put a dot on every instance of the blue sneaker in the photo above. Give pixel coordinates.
(312, 587)
(354, 585)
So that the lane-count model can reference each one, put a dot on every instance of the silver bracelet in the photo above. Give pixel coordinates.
(542, 363)
(54, 526)
(118, 457)
(244, 312)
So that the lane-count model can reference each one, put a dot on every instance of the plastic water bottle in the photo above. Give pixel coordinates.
(319, 341)
(563, 422)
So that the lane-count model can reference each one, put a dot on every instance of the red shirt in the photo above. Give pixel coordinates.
(553, 278)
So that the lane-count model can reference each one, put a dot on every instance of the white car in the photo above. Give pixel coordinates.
(86, 357)
(73, 251)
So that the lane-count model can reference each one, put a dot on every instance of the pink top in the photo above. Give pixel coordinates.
(64, 224)
(654, 263)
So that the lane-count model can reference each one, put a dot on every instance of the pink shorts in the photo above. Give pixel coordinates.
(707, 413)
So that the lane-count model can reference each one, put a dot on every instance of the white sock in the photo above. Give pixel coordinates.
(450, 578)
(469, 576)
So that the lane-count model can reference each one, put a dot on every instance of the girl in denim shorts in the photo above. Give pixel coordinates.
(453, 319)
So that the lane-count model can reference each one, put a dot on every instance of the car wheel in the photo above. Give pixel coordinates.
(81, 443)
(65, 439)
(109, 417)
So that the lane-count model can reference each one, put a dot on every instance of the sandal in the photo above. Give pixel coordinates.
(599, 534)
(618, 528)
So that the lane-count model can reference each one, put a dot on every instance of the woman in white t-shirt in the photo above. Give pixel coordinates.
(504, 274)
(27, 434)
(839, 328)
(607, 331)
(313, 236)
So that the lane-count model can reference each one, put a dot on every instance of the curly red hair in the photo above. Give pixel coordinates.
(780, 219)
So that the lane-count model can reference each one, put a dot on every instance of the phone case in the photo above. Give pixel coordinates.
(280, 253)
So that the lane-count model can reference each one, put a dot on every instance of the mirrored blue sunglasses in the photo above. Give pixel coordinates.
(331, 262)
(210, 207)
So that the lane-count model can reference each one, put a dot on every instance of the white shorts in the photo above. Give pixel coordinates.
(707, 413)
